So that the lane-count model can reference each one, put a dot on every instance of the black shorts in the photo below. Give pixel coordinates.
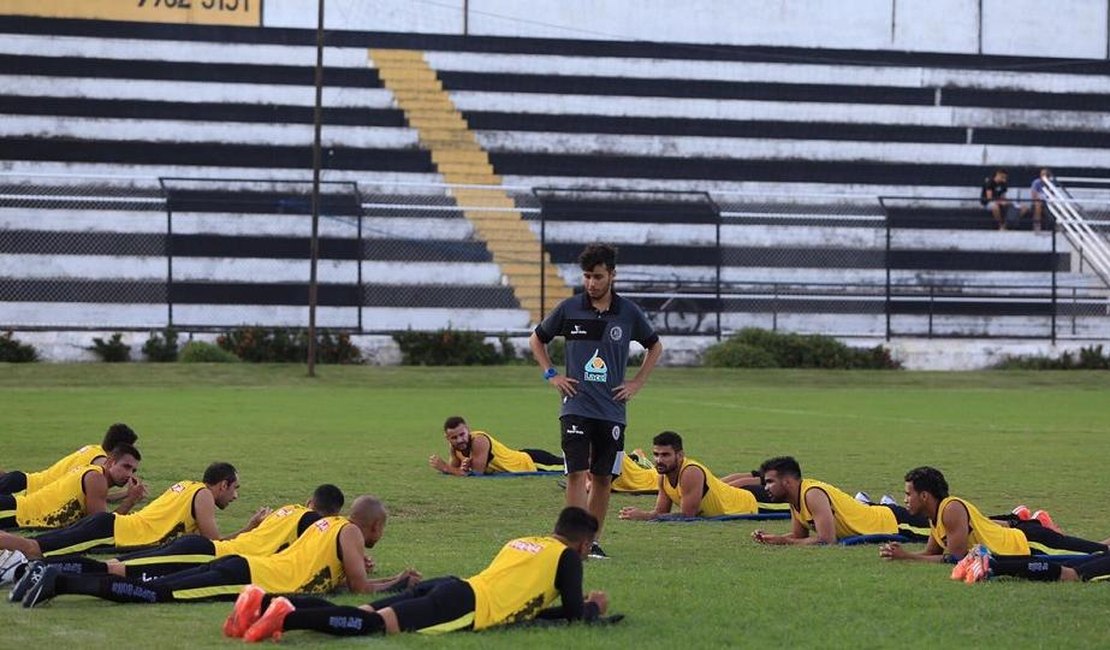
(1044, 541)
(7, 512)
(763, 499)
(594, 445)
(185, 552)
(446, 604)
(1096, 569)
(90, 532)
(12, 482)
(913, 527)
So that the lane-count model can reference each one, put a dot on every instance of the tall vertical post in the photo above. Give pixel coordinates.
(314, 242)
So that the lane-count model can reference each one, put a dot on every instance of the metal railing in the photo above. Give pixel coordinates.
(1068, 212)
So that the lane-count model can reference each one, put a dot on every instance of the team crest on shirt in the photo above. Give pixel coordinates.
(596, 369)
(615, 332)
(323, 525)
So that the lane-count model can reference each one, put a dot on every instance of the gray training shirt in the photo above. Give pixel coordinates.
(597, 351)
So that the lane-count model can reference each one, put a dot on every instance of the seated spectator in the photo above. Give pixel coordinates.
(993, 197)
(1036, 193)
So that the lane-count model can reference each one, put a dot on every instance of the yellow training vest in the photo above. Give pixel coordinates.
(634, 478)
(518, 583)
(80, 458)
(998, 539)
(59, 504)
(311, 564)
(501, 458)
(852, 517)
(720, 498)
(277, 530)
(170, 515)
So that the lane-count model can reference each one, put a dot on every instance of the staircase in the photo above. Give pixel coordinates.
(465, 166)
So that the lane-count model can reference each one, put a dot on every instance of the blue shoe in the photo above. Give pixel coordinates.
(31, 575)
(43, 589)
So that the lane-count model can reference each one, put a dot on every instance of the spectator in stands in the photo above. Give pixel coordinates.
(993, 197)
(1036, 193)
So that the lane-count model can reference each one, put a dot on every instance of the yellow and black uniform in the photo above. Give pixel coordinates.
(720, 498)
(855, 518)
(1025, 538)
(169, 515)
(635, 479)
(311, 565)
(31, 482)
(277, 531)
(503, 459)
(57, 505)
(528, 573)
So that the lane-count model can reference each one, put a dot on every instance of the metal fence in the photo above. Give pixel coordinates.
(209, 254)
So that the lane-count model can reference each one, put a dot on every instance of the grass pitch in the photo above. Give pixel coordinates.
(1001, 438)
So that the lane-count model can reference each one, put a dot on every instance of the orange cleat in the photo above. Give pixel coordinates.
(959, 572)
(1046, 520)
(247, 609)
(1022, 512)
(270, 625)
(980, 567)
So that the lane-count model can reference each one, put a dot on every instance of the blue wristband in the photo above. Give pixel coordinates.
(549, 374)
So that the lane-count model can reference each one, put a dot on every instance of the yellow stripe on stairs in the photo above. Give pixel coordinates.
(460, 160)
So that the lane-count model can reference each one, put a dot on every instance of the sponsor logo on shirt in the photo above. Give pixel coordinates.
(323, 525)
(596, 369)
(527, 547)
(577, 330)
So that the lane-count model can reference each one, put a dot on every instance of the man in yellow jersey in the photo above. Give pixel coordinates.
(698, 493)
(525, 577)
(84, 491)
(832, 514)
(328, 554)
(277, 531)
(186, 507)
(480, 453)
(956, 525)
(638, 476)
(16, 481)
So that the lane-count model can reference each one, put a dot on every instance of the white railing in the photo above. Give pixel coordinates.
(1091, 245)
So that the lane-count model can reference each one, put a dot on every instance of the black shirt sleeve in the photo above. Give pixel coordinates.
(306, 520)
(568, 580)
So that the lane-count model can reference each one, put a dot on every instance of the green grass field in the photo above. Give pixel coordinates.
(1001, 438)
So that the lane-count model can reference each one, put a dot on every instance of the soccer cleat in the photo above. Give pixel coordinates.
(562, 483)
(980, 567)
(10, 561)
(30, 576)
(959, 572)
(887, 500)
(1022, 512)
(596, 553)
(247, 610)
(1046, 520)
(43, 588)
(269, 626)
(864, 497)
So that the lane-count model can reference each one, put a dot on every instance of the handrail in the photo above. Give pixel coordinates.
(1089, 243)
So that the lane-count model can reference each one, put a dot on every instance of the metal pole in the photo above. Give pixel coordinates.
(314, 245)
(543, 263)
(1054, 288)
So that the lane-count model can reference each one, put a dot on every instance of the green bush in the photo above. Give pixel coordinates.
(281, 345)
(114, 350)
(161, 348)
(1089, 358)
(757, 348)
(13, 351)
(203, 352)
(451, 347)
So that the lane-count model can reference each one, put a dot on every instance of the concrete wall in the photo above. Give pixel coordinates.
(1071, 28)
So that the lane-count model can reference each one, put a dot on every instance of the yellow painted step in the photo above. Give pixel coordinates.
(471, 179)
(460, 156)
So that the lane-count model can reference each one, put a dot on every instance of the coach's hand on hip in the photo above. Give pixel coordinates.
(565, 385)
(626, 391)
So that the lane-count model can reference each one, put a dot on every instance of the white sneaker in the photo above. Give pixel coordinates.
(887, 500)
(9, 562)
(864, 497)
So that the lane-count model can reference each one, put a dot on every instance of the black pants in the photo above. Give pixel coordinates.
(222, 579)
(185, 552)
(1044, 541)
(544, 459)
(12, 482)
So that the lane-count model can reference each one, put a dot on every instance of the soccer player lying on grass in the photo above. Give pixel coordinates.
(525, 577)
(979, 565)
(81, 492)
(480, 453)
(187, 507)
(831, 513)
(31, 482)
(956, 525)
(695, 489)
(329, 554)
(277, 531)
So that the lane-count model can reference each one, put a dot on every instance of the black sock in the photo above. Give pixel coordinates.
(77, 565)
(339, 621)
(114, 588)
(1032, 569)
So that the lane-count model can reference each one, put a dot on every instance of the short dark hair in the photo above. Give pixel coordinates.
(668, 439)
(928, 479)
(595, 254)
(124, 449)
(327, 500)
(453, 421)
(219, 472)
(1001, 170)
(576, 525)
(782, 465)
(118, 434)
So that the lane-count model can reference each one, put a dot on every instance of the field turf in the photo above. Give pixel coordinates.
(1001, 438)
